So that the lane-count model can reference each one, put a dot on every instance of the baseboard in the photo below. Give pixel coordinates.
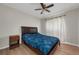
(71, 44)
(4, 47)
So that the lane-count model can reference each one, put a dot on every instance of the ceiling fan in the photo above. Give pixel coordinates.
(44, 7)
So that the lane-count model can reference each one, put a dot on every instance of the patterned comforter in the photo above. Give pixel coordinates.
(42, 42)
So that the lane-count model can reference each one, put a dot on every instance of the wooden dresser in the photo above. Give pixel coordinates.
(14, 41)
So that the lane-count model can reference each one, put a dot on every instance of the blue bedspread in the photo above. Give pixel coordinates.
(42, 42)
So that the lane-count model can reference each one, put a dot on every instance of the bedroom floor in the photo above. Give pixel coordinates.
(64, 49)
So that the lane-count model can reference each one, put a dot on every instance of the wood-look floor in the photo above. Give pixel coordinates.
(64, 49)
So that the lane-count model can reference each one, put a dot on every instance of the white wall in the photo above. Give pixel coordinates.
(78, 25)
(43, 26)
(11, 21)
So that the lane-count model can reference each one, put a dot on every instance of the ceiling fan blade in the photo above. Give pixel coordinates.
(50, 6)
(47, 10)
(38, 9)
(42, 5)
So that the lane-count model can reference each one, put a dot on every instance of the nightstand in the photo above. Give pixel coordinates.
(14, 41)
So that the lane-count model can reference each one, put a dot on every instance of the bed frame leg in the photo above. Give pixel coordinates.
(59, 43)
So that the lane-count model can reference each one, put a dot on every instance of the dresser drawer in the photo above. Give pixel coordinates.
(13, 38)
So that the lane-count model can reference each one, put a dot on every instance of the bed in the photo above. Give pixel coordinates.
(39, 43)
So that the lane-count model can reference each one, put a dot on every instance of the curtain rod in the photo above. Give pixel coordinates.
(57, 17)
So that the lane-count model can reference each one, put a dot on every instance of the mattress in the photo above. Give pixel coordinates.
(42, 42)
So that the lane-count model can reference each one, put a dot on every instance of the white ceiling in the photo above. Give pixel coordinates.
(58, 8)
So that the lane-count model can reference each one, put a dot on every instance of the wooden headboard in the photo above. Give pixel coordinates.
(27, 30)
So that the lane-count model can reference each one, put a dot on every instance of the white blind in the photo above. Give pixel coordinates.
(56, 27)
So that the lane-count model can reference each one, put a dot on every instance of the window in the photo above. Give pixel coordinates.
(56, 27)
